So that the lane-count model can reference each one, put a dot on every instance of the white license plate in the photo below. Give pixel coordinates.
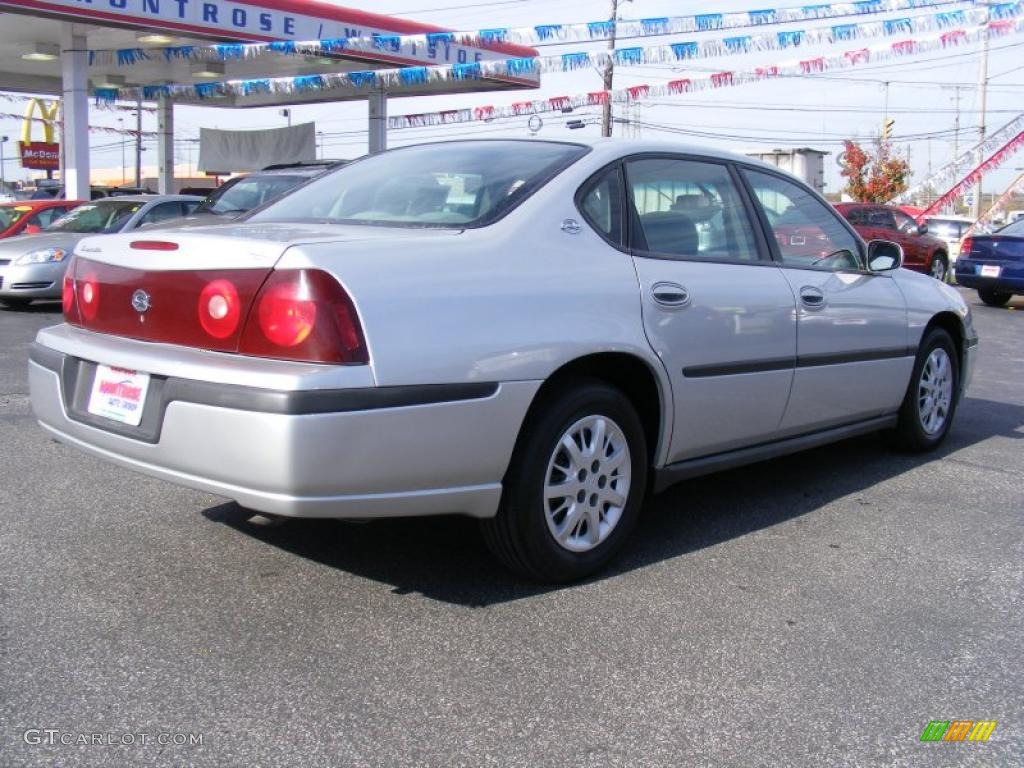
(990, 270)
(118, 394)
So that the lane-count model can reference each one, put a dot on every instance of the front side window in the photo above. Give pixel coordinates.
(880, 217)
(448, 185)
(161, 212)
(248, 193)
(904, 223)
(689, 209)
(807, 232)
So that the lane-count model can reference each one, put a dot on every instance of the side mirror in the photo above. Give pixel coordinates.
(884, 256)
(922, 229)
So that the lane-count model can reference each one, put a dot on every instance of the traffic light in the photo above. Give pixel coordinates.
(887, 125)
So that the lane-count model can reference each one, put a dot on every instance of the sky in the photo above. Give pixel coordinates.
(816, 111)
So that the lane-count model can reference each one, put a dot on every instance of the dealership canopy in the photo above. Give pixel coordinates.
(76, 49)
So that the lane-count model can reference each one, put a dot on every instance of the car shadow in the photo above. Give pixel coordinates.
(42, 306)
(444, 558)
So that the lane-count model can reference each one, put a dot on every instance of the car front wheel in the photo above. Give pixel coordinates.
(931, 399)
(574, 487)
(994, 298)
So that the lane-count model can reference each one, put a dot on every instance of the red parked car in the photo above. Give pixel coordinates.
(921, 252)
(26, 217)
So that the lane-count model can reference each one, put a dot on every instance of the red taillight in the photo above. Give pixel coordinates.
(88, 295)
(67, 295)
(965, 246)
(304, 314)
(154, 245)
(285, 316)
(220, 309)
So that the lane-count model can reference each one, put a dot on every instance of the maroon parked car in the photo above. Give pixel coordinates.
(921, 252)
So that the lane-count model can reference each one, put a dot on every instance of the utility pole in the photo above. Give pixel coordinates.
(609, 72)
(138, 143)
(120, 123)
(3, 187)
(983, 97)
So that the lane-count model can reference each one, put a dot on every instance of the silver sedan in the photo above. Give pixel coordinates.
(532, 333)
(32, 266)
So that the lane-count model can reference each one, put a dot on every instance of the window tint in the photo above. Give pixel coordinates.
(690, 209)
(161, 212)
(857, 216)
(879, 217)
(601, 205)
(807, 231)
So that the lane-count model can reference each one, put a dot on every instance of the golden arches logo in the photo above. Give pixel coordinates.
(48, 116)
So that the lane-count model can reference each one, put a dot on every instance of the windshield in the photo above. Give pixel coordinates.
(102, 216)
(248, 193)
(458, 184)
(10, 214)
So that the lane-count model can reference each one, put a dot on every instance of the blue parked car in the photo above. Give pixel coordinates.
(994, 264)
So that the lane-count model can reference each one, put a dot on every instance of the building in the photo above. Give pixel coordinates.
(804, 163)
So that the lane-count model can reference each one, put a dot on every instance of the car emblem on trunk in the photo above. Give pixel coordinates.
(140, 301)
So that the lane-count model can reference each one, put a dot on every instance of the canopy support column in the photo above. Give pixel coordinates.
(378, 139)
(74, 65)
(165, 146)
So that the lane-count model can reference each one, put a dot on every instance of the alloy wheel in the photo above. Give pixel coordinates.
(587, 483)
(935, 391)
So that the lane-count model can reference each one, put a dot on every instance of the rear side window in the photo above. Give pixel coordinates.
(601, 204)
(688, 209)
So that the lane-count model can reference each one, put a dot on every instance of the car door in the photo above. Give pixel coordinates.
(852, 357)
(716, 310)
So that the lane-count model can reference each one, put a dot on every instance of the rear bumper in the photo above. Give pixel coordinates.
(302, 453)
(1010, 280)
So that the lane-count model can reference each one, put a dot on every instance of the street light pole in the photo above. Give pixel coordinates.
(3, 184)
(983, 97)
(120, 122)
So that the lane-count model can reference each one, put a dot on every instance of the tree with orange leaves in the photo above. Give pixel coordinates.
(873, 177)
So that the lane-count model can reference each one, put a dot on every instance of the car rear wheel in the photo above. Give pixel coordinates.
(15, 303)
(940, 267)
(994, 298)
(931, 399)
(574, 487)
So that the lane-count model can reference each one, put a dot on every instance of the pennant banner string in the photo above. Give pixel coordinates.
(972, 179)
(797, 68)
(394, 79)
(542, 34)
(998, 206)
(949, 173)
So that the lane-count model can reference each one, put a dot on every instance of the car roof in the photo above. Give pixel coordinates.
(146, 198)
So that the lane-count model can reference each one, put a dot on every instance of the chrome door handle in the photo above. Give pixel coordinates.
(812, 297)
(670, 294)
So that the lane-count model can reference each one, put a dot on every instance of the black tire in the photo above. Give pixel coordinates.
(994, 298)
(939, 262)
(15, 303)
(520, 535)
(911, 433)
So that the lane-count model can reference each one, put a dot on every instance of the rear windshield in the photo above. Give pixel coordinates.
(1016, 228)
(10, 214)
(102, 216)
(248, 193)
(450, 185)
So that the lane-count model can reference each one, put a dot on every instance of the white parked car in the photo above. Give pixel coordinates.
(950, 229)
(532, 333)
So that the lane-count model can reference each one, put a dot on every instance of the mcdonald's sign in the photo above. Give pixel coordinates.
(40, 155)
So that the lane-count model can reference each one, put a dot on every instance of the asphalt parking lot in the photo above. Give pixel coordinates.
(816, 610)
